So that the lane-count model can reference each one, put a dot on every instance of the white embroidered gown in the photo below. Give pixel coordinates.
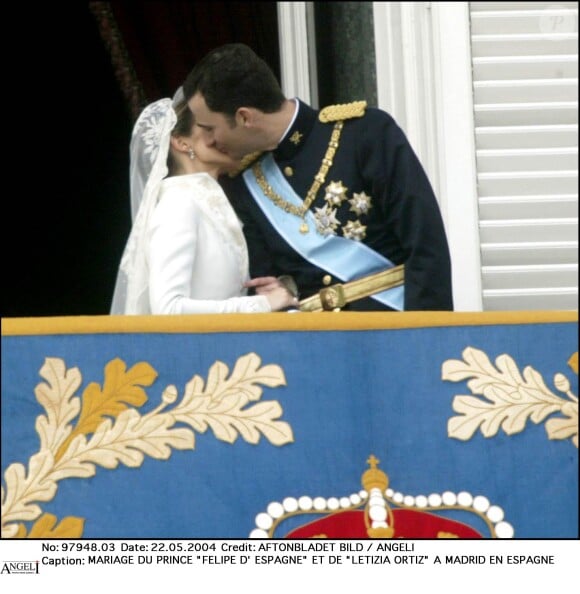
(197, 254)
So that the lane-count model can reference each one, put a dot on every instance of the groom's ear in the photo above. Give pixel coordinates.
(245, 117)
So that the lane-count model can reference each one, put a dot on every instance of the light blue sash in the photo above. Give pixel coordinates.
(344, 258)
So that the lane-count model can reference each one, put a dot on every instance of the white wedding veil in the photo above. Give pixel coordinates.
(149, 149)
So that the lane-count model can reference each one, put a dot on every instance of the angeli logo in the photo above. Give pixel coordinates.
(19, 567)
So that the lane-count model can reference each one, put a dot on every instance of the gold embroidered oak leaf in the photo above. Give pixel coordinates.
(227, 418)
(109, 433)
(46, 527)
(121, 389)
(477, 366)
(125, 441)
(510, 399)
(573, 362)
(245, 377)
(14, 531)
(221, 404)
(57, 398)
(24, 490)
(563, 428)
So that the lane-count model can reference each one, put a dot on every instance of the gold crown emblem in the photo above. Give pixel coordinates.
(377, 519)
(374, 478)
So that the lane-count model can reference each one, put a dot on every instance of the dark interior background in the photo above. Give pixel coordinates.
(67, 217)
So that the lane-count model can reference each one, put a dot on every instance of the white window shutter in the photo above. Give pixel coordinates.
(525, 79)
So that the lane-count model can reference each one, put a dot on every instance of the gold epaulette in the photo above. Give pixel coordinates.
(344, 111)
(245, 162)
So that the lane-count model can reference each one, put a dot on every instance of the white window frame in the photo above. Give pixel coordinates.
(423, 56)
(297, 51)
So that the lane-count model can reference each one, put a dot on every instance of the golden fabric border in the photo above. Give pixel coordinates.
(272, 322)
(124, 71)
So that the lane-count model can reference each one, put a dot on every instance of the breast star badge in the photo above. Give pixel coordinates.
(335, 193)
(326, 221)
(354, 230)
(360, 203)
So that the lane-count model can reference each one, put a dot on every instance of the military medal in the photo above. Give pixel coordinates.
(360, 203)
(326, 221)
(335, 193)
(354, 230)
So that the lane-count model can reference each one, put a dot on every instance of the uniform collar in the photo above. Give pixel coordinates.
(298, 132)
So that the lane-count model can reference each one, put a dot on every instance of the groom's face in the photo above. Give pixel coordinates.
(219, 131)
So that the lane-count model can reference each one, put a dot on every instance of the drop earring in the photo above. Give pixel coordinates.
(191, 153)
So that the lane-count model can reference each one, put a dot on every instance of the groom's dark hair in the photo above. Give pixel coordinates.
(234, 76)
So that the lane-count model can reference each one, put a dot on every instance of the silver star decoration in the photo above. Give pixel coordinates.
(354, 230)
(335, 193)
(326, 221)
(360, 203)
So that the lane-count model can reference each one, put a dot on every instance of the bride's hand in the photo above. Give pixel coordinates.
(275, 290)
(263, 284)
(280, 298)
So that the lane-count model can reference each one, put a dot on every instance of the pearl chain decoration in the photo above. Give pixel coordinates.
(276, 511)
(378, 511)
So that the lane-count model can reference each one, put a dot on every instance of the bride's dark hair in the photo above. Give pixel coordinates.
(185, 120)
(183, 127)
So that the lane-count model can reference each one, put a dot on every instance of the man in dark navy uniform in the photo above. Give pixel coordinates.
(322, 187)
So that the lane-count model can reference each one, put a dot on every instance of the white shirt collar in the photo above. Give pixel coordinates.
(297, 104)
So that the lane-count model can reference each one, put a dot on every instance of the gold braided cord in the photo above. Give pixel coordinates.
(319, 178)
(245, 163)
(124, 70)
(344, 111)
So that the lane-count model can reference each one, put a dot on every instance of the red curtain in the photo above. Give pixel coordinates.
(154, 45)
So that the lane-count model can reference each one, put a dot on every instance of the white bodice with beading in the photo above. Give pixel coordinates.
(196, 251)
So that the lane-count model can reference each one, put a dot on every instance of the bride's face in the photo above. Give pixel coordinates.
(209, 155)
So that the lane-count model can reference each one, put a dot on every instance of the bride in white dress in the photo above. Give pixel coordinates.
(186, 252)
